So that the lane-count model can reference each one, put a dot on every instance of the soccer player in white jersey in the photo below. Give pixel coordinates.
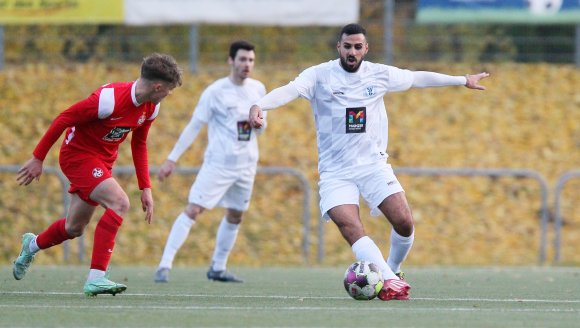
(346, 95)
(227, 175)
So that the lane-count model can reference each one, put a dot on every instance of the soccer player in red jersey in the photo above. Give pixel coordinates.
(95, 127)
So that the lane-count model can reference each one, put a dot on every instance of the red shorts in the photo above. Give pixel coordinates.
(84, 172)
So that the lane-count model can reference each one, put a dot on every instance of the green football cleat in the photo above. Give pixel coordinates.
(401, 275)
(103, 286)
(23, 261)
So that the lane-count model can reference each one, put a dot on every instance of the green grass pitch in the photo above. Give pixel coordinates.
(293, 297)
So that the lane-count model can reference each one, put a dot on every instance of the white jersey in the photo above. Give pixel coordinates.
(349, 111)
(224, 107)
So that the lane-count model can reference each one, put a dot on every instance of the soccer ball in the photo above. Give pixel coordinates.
(363, 280)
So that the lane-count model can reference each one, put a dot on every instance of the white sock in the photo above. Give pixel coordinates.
(224, 242)
(400, 247)
(366, 249)
(95, 274)
(33, 246)
(177, 236)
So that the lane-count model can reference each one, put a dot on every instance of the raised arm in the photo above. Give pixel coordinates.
(274, 99)
(424, 79)
(185, 140)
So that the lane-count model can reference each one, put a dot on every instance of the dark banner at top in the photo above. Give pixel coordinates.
(499, 11)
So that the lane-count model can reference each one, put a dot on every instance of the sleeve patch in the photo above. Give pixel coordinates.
(106, 102)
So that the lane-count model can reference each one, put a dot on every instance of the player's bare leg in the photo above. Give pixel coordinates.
(59, 231)
(347, 219)
(116, 202)
(177, 237)
(397, 211)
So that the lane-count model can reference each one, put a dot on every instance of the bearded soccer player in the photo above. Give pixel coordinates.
(95, 127)
(346, 95)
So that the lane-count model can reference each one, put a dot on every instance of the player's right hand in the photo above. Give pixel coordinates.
(165, 170)
(256, 117)
(31, 170)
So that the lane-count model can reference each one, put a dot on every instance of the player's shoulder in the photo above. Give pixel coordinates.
(217, 85)
(117, 85)
(319, 71)
(114, 90)
(374, 67)
(254, 83)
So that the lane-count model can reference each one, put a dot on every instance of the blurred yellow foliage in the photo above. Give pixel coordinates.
(528, 118)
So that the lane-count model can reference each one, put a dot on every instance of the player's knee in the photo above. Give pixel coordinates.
(234, 220)
(234, 217)
(405, 227)
(120, 204)
(192, 211)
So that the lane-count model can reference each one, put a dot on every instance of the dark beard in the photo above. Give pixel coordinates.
(348, 68)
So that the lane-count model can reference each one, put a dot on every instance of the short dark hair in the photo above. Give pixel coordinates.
(161, 67)
(240, 44)
(351, 29)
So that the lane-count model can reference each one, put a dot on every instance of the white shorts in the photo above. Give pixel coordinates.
(230, 189)
(374, 182)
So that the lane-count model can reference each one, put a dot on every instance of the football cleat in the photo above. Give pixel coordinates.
(23, 261)
(223, 276)
(394, 289)
(162, 275)
(401, 275)
(103, 286)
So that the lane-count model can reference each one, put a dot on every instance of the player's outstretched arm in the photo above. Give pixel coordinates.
(473, 80)
(31, 170)
(256, 117)
(274, 99)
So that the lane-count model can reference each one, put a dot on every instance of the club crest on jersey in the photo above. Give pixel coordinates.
(370, 91)
(244, 131)
(356, 120)
(97, 172)
(141, 119)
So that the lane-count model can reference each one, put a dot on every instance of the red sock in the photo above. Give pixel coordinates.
(104, 242)
(53, 235)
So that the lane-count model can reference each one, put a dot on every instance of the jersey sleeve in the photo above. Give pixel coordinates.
(186, 138)
(424, 79)
(203, 110)
(305, 83)
(398, 79)
(82, 112)
(140, 155)
(201, 115)
(278, 97)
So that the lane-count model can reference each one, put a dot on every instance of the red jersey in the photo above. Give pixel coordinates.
(98, 124)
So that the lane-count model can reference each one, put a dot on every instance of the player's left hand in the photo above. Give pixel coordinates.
(473, 80)
(147, 204)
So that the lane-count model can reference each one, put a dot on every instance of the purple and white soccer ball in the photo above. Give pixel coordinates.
(363, 280)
